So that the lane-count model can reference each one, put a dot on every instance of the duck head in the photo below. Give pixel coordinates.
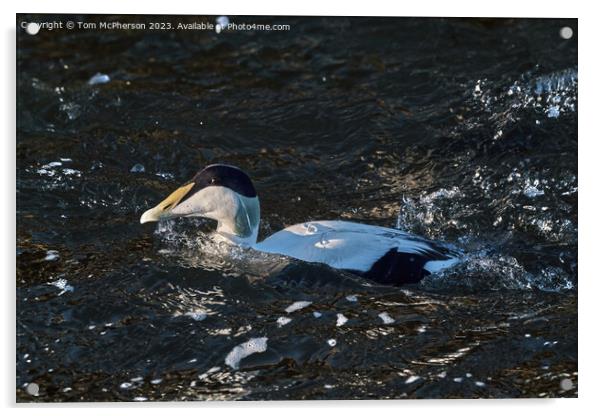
(220, 192)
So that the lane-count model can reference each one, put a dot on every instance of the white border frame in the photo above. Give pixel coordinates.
(590, 95)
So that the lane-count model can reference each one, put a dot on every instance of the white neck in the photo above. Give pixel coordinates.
(242, 225)
(226, 233)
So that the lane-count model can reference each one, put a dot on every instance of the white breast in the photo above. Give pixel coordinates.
(342, 244)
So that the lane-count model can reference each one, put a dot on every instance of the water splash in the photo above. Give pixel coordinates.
(485, 270)
(550, 95)
(252, 346)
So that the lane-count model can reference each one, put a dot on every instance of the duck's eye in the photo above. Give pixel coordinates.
(212, 180)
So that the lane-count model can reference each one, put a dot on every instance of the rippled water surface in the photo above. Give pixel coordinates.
(464, 131)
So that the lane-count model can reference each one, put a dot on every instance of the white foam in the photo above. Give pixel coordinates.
(386, 318)
(63, 285)
(412, 379)
(297, 306)
(51, 255)
(75, 172)
(209, 372)
(341, 319)
(196, 315)
(252, 346)
(99, 78)
(283, 320)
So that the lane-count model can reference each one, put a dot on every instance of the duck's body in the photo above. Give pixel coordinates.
(382, 254)
(385, 255)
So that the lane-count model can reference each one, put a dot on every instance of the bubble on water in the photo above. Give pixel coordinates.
(341, 319)
(458, 380)
(297, 306)
(479, 384)
(317, 314)
(137, 168)
(283, 320)
(156, 381)
(332, 342)
(126, 385)
(99, 78)
(351, 298)
(252, 346)
(386, 318)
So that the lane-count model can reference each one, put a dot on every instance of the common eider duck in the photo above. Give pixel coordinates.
(226, 194)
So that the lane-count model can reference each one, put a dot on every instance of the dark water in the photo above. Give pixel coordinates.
(463, 131)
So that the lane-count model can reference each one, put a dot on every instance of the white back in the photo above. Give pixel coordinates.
(341, 244)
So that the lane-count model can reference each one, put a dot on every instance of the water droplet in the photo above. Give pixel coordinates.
(566, 384)
(566, 32)
(32, 28)
(33, 389)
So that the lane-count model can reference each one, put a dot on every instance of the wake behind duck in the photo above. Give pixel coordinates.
(226, 194)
